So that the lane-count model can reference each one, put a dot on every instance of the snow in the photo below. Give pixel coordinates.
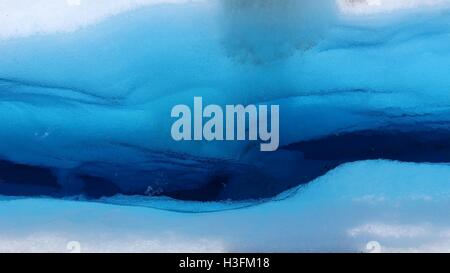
(368, 7)
(28, 17)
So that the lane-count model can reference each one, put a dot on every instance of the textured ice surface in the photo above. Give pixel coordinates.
(85, 101)
(353, 205)
(368, 7)
(29, 17)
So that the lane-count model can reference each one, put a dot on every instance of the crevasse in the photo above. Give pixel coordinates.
(85, 104)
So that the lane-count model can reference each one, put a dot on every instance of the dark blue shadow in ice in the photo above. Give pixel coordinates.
(291, 166)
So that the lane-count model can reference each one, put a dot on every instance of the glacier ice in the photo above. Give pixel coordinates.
(85, 102)
(353, 205)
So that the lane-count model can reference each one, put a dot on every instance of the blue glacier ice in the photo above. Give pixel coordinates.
(85, 108)
(85, 102)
